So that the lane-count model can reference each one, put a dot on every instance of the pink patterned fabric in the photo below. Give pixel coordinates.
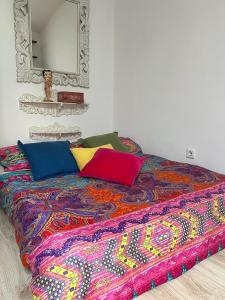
(124, 257)
(131, 145)
(13, 159)
(17, 176)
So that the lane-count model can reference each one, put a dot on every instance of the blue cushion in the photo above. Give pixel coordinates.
(49, 159)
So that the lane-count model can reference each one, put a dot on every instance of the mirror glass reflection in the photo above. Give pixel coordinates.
(55, 38)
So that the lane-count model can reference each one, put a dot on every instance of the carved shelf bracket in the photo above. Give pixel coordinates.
(55, 132)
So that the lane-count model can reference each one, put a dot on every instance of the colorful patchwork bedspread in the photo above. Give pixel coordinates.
(88, 239)
(124, 257)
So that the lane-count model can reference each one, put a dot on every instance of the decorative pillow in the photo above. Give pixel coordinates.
(104, 139)
(131, 145)
(18, 176)
(49, 159)
(84, 155)
(114, 166)
(77, 144)
(13, 159)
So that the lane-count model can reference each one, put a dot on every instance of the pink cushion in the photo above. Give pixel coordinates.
(114, 166)
(13, 159)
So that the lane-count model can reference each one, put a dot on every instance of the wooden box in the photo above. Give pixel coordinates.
(71, 97)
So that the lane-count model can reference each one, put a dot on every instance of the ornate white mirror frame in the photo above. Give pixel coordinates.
(25, 73)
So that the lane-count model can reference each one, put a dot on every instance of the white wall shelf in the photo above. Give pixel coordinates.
(35, 105)
(55, 132)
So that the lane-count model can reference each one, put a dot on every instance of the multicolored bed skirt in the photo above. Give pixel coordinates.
(88, 239)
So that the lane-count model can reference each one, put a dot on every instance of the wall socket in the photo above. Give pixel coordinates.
(190, 153)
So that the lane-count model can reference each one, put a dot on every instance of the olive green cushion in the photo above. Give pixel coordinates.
(99, 140)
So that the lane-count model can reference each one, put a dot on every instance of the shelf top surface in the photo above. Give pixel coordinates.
(53, 103)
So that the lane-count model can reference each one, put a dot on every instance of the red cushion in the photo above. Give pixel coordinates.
(114, 166)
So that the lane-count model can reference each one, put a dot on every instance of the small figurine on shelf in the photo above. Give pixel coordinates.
(47, 74)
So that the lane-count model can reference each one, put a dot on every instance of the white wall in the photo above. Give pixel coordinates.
(170, 77)
(14, 123)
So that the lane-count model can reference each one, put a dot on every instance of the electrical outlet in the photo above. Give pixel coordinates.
(190, 153)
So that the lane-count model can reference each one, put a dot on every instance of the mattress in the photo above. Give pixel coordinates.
(89, 239)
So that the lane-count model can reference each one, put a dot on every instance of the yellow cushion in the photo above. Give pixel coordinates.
(84, 155)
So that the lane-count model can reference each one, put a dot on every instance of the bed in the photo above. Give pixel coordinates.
(90, 239)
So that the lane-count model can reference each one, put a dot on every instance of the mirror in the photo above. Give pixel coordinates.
(54, 35)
